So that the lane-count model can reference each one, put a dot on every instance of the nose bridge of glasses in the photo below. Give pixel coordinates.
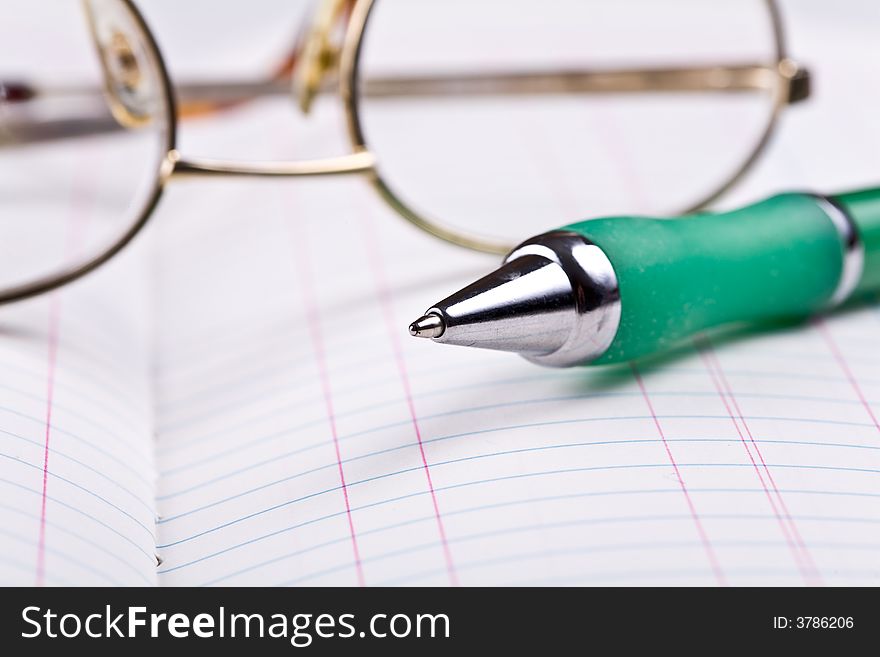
(361, 162)
(129, 87)
(320, 51)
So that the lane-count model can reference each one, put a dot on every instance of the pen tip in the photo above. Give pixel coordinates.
(427, 326)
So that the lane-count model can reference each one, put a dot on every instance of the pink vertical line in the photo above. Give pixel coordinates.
(54, 322)
(314, 323)
(704, 538)
(384, 295)
(81, 196)
(313, 319)
(819, 323)
(793, 538)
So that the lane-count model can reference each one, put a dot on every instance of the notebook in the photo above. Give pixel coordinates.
(234, 400)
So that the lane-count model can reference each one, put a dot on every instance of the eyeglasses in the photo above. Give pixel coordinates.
(480, 122)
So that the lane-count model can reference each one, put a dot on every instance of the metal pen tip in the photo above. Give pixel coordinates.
(428, 326)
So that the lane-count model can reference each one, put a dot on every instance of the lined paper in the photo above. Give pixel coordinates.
(305, 439)
(76, 445)
(744, 463)
(236, 398)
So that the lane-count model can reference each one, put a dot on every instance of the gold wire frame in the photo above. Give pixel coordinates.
(789, 82)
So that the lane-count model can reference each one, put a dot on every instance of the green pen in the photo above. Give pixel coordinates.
(613, 289)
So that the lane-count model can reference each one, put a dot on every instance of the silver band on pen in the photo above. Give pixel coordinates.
(853, 248)
(595, 292)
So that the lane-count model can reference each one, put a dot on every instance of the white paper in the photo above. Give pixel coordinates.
(250, 353)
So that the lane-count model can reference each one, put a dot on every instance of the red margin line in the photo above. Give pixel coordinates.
(54, 321)
(838, 356)
(704, 538)
(384, 294)
(792, 536)
(314, 323)
(72, 244)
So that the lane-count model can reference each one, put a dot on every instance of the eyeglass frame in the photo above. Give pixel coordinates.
(792, 84)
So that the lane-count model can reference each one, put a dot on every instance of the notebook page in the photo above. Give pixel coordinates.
(76, 454)
(750, 462)
(303, 438)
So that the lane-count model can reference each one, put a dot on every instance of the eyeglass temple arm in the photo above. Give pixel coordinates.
(745, 77)
(794, 81)
(740, 77)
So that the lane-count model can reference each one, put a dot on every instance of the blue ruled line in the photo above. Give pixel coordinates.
(326, 466)
(62, 555)
(85, 539)
(439, 489)
(528, 501)
(76, 414)
(279, 457)
(56, 429)
(57, 452)
(393, 425)
(83, 489)
(70, 507)
(178, 445)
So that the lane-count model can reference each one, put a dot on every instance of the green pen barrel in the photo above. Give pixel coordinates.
(779, 258)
